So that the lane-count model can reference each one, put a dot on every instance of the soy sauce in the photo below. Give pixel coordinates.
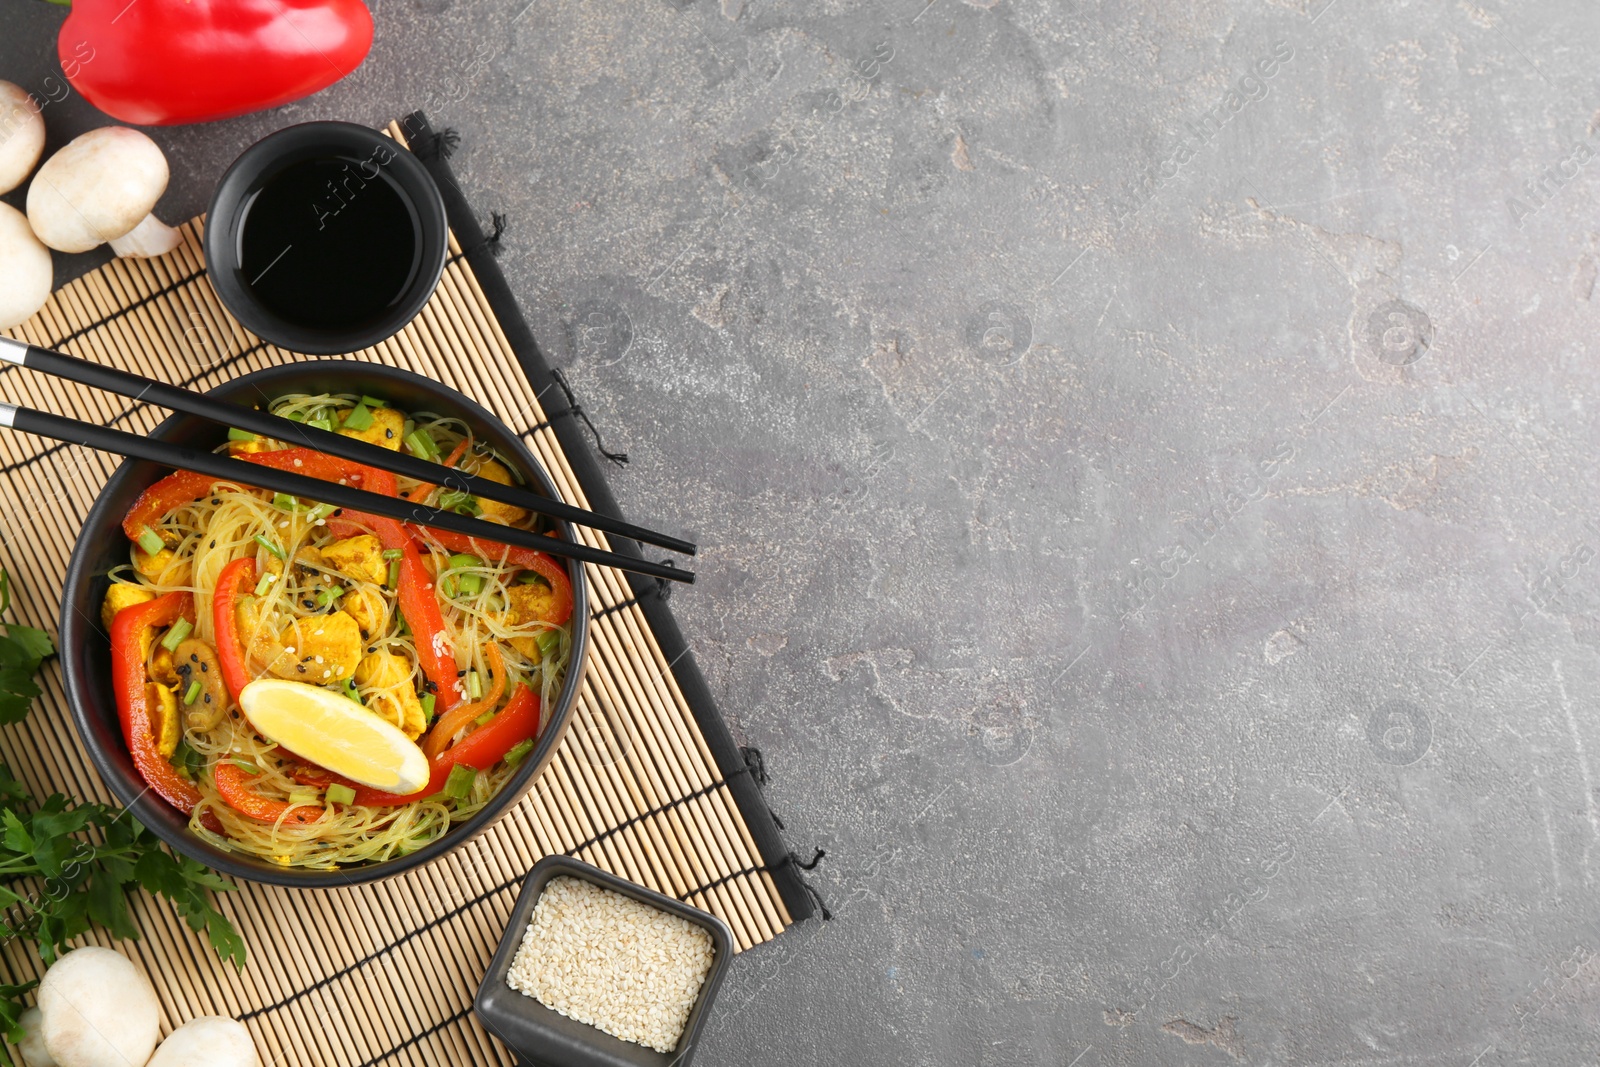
(329, 243)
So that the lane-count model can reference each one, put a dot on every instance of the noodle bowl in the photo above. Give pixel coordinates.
(316, 582)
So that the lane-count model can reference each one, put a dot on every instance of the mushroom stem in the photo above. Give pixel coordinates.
(151, 237)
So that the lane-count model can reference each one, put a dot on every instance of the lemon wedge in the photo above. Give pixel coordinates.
(335, 732)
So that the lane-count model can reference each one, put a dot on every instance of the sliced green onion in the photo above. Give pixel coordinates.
(321, 511)
(483, 720)
(236, 434)
(270, 547)
(459, 785)
(548, 641)
(193, 693)
(519, 752)
(464, 559)
(394, 574)
(179, 631)
(421, 444)
(150, 541)
(374, 402)
(405, 431)
(321, 422)
(305, 797)
(428, 700)
(348, 687)
(533, 578)
(285, 502)
(324, 597)
(265, 583)
(358, 418)
(471, 584)
(475, 687)
(296, 416)
(393, 553)
(341, 794)
(248, 768)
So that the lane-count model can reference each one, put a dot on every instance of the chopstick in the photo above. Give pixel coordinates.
(224, 468)
(138, 387)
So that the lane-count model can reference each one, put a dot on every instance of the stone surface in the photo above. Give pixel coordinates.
(1155, 554)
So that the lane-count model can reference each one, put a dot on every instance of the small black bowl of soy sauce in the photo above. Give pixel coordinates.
(325, 238)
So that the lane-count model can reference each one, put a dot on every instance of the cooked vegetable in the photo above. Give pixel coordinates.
(340, 636)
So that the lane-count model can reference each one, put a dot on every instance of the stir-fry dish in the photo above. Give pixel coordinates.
(320, 687)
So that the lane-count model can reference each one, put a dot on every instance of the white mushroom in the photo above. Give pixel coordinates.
(97, 1010)
(25, 271)
(34, 1054)
(99, 188)
(209, 1041)
(21, 135)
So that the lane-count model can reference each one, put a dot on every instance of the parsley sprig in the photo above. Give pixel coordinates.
(65, 865)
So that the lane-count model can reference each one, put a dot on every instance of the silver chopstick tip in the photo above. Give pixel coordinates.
(13, 351)
(8, 415)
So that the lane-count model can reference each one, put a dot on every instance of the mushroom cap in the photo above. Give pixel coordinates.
(97, 188)
(99, 1011)
(25, 269)
(21, 135)
(34, 1054)
(209, 1041)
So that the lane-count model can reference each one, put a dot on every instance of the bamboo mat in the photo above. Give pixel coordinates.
(643, 784)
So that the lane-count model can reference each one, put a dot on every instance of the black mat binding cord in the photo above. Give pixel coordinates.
(566, 421)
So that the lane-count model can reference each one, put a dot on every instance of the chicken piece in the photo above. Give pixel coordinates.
(494, 510)
(161, 667)
(359, 557)
(163, 567)
(322, 649)
(531, 602)
(306, 562)
(162, 703)
(384, 431)
(245, 448)
(122, 595)
(397, 699)
(196, 661)
(368, 608)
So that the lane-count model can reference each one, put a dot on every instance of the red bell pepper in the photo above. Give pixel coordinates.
(241, 573)
(453, 721)
(419, 604)
(527, 559)
(233, 784)
(165, 62)
(481, 749)
(133, 711)
(314, 464)
(163, 498)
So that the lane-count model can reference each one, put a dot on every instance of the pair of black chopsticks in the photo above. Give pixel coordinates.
(266, 424)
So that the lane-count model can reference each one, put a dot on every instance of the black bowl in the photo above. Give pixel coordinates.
(339, 141)
(543, 1036)
(86, 647)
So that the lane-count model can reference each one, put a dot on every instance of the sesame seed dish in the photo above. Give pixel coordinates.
(614, 963)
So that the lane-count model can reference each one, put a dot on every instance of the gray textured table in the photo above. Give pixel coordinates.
(1140, 456)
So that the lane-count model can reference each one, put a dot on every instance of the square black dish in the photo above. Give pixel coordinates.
(542, 1036)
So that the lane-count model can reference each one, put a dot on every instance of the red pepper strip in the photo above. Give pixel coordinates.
(233, 784)
(481, 749)
(418, 601)
(527, 559)
(453, 721)
(314, 464)
(128, 679)
(421, 493)
(163, 498)
(241, 573)
(164, 64)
